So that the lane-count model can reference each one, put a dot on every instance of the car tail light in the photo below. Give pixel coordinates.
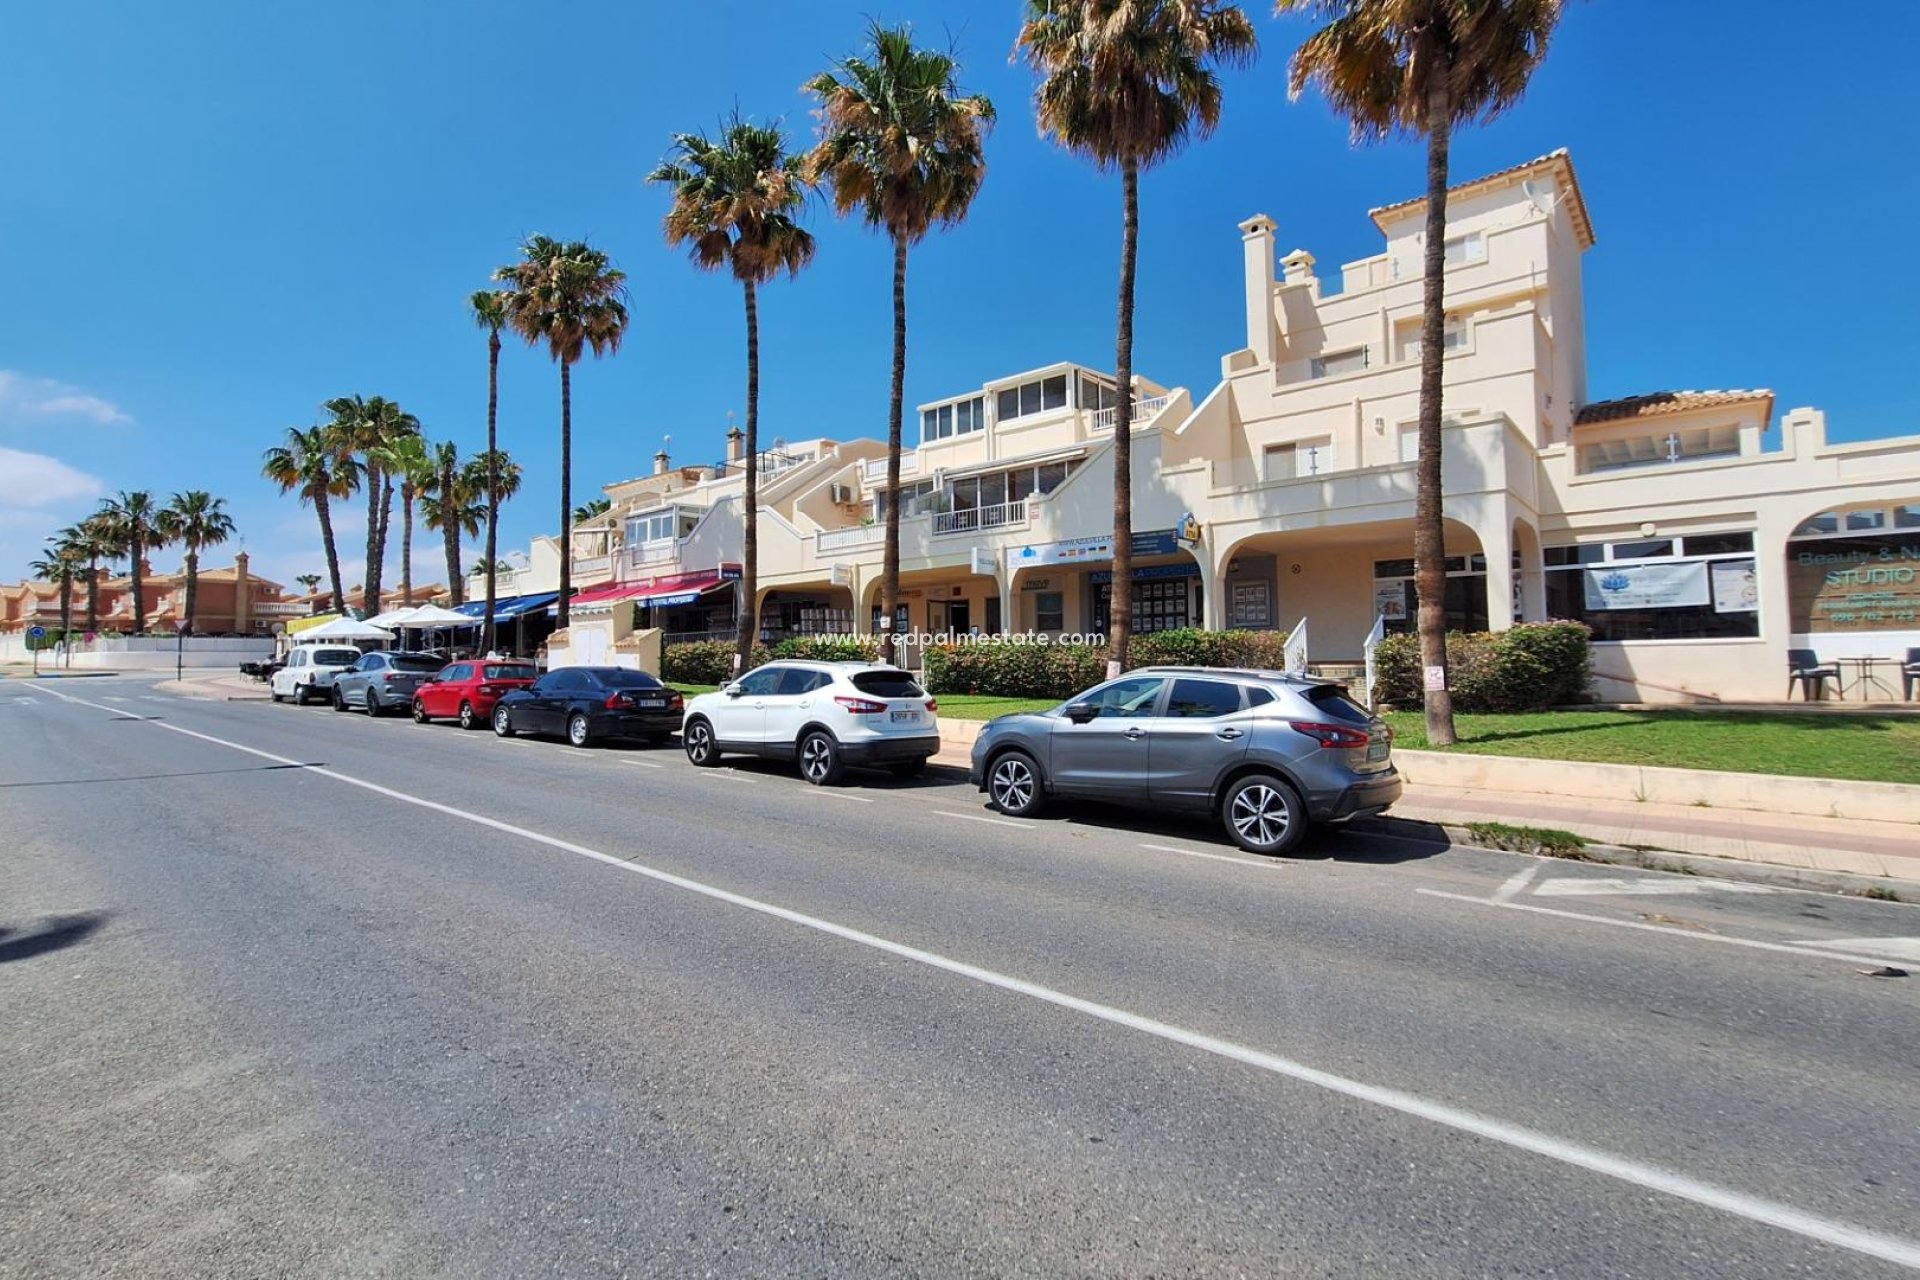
(487, 689)
(933, 704)
(861, 706)
(388, 677)
(615, 700)
(676, 703)
(1334, 737)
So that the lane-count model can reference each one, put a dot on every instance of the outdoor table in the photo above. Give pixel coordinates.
(1863, 676)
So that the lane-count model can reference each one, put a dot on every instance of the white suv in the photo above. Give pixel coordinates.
(310, 671)
(825, 715)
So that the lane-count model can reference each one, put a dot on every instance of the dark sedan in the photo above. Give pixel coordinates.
(585, 704)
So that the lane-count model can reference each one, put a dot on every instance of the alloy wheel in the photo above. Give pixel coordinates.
(466, 715)
(1012, 785)
(816, 759)
(503, 722)
(373, 703)
(699, 742)
(578, 730)
(1260, 815)
(419, 711)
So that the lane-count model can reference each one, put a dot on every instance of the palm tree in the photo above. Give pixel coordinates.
(60, 564)
(569, 296)
(134, 528)
(1126, 83)
(588, 510)
(311, 581)
(320, 465)
(1423, 67)
(900, 144)
(407, 458)
(195, 519)
(500, 470)
(452, 502)
(88, 540)
(369, 426)
(735, 201)
(490, 313)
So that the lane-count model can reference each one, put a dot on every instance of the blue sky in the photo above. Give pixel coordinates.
(213, 216)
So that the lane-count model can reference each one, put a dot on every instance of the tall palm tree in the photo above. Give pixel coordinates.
(453, 502)
(195, 519)
(498, 469)
(903, 147)
(87, 538)
(311, 581)
(1126, 83)
(134, 521)
(60, 564)
(318, 464)
(408, 459)
(588, 510)
(570, 297)
(1423, 68)
(490, 313)
(735, 201)
(370, 425)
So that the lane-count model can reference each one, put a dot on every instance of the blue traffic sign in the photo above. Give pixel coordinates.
(36, 633)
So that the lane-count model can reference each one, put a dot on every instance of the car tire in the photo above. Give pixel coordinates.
(468, 720)
(419, 711)
(271, 695)
(299, 695)
(907, 769)
(373, 705)
(1013, 785)
(819, 757)
(697, 739)
(339, 700)
(579, 729)
(502, 722)
(1264, 815)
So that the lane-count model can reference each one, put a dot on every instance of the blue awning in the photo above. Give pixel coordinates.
(511, 607)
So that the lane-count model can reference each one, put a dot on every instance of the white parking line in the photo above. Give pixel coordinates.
(1845, 1235)
(978, 817)
(1517, 882)
(643, 764)
(842, 795)
(1217, 857)
(1756, 944)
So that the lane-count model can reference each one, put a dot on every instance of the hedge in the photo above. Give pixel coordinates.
(1062, 670)
(1533, 666)
(711, 661)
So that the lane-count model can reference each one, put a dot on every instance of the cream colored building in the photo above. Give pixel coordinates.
(1699, 539)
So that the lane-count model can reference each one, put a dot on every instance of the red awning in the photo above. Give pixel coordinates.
(606, 595)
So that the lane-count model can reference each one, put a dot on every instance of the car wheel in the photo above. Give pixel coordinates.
(579, 729)
(907, 769)
(339, 700)
(502, 722)
(1013, 784)
(467, 719)
(373, 703)
(1264, 815)
(299, 695)
(820, 759)
(419, 711)
(697, 738)
(271, 695)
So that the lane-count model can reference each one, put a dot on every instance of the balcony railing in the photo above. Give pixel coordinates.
(999, 515)
(658, 551)
(860, 535)
(874, 470)
(1142, 411)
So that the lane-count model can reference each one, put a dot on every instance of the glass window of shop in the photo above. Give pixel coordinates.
(1159, 604)
(1696, 587)
(1856, 570)
(1396, 600)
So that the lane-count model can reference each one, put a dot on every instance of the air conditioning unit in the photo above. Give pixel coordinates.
(841, 493)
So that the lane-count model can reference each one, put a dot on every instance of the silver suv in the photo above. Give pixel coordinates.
(1271, 753)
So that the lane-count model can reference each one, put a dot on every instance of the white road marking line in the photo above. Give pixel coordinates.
(1896, 948)
(842, 795)
(1771, 1213)
(1217, 857)
(1606, 886)
(980, 817)
(644, 764)
(1516, 882)
(110, 697)
(1757, 945)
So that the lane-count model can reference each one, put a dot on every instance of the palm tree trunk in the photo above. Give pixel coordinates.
(138, 572)
(193, 585)
(406, 543)
(493, 483)
(93, 594)
(1429, 531)
(890, 564)
(450, 530)
(370, 581)
(566, 495)
(333, 553)
(748, 610)
(66, 608)
(1120, 599)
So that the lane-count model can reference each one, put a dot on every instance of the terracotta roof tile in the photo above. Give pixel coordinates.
(1655, 403)
(1560, 159)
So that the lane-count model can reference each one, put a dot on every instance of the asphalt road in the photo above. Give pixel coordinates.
(290, 993)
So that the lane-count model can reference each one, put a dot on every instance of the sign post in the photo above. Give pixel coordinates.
(180, 652)
(34, 636)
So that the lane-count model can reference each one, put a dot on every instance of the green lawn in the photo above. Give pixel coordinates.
(1859, 747)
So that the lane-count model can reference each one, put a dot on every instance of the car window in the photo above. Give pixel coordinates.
(1126, 699)
(758, 684)
(887, 684)
(552, 682)
(1202, 699)
(1332, 700)
(458, 671)
(335, 657)
(1258, 695)
(503, 671)
(421, 662)
(622, 678)
(799, 680)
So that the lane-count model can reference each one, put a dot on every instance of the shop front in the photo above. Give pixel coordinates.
(1853, 587)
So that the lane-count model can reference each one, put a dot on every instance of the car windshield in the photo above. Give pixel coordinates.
(887, 684)
(621, 678)
(507, 671)
(1333, 700)
(416, 662)
(335, 657)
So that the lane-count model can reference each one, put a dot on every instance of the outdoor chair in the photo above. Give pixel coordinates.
(1805, 669)
(1910, 674)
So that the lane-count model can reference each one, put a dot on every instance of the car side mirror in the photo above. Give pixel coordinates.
(732, 691)
(1081, 712)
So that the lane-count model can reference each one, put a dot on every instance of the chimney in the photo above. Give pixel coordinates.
(242, 595)
(1256, 238)
(660, 461)
(1298, 267)
(736, 444)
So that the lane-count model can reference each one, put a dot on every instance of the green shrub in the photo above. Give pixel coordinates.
(1527, 668)
(1195, 647)
(1014, 670)
(830, 648)
(702, 662)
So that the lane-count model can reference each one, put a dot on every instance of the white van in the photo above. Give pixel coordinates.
(310, 670)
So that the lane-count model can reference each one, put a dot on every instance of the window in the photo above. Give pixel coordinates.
(1697, 588)
(457, 672)
(1863, 520)
(622, 678)
(507, 671)
(1464, 601)
(886, 684)
(1335, 363)
(1097, 393)
(1049, 611)
(1297, 459)
(1042, 395)
(759, 684)
(960, 418)
(1907, 516)
(1332, 700)
(1410, 444)
(416, 662)
(1660, 450)
(1049, 476)
(1128, 699)
(335, 657)
(1716, 544)
(1471, 247)
(799, 680)
(1454, 337)
(1202, 699)
(1645, 549)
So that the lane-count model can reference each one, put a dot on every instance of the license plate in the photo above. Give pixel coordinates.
(1377, 749)
(650, 704)
(906, 717)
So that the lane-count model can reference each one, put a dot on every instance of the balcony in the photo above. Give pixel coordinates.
(281, 609)
(656, 551)
(861, 535)
(1143, 411)
(874, 470)
(999, 515)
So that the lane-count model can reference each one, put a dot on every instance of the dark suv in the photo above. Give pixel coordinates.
(1271, 753)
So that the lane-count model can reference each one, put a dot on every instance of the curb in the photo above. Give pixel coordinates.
(1809, 879)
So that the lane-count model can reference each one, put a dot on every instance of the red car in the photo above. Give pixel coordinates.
(466, 691)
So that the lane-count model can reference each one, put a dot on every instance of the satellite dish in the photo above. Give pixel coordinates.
(1541, 200)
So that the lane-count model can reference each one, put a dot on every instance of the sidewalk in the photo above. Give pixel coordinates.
(216, 686)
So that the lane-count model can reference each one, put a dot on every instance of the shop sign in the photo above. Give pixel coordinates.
(1146, 571)
(1648, 586)
(1736, 589)
(1855, 584)
(842, 575)
(1390, 600)
(986, 562)
(1094, 549)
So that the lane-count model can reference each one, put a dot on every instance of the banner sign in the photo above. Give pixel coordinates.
(1648, 586)
(985, 561)
(1188, 570)
(1868, 583)
(1093, 550)
(1735, 587)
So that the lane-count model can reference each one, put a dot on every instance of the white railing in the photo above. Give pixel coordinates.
(658, 551)
(999, 515)
(281, 609)
(1142, 410)
(859, 535)
(874, 470)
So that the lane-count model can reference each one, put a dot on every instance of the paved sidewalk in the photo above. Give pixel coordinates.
(217, 686)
